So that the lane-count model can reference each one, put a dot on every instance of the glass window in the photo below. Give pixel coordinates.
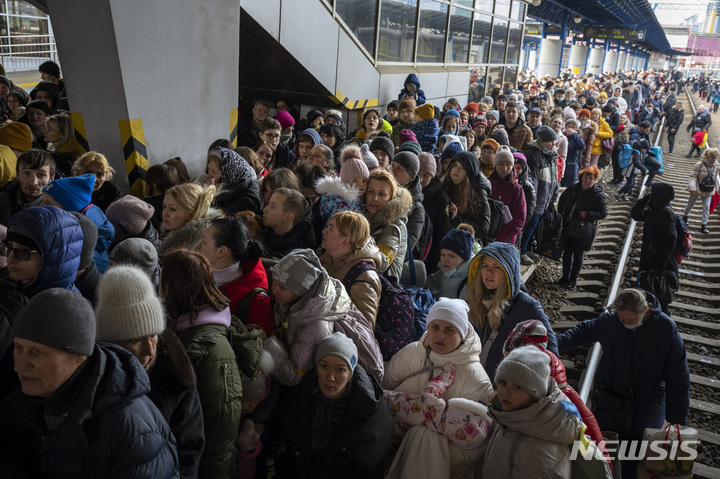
(511, 75)
(19, 7)
(464, 3)
(28, 26)
(397, 30)
(431, 34)
(494, 78)
(481, 39)
(477, 84)
(514, 39)
(360, 18)
(497, 46)
(484, 6)
(502, 7)
(459, 38)
(518, 11)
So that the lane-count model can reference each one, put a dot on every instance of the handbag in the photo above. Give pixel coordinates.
(707, 185)
(658, 283)
(608, 145)
(679, 464)
(579, 229)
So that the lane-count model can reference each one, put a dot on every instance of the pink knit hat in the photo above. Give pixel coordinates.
(131, 213)
(285, 119)
(406, 135)
(353, 168)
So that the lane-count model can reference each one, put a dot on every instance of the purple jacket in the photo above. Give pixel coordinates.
(512, 196)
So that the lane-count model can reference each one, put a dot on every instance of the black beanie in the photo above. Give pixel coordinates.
(50, 67)
(383, 142)
(545, 133)
(46, 86)
(409, 161)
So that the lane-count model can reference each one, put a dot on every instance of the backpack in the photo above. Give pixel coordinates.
(247, 346)
(497, 214)
(395, 321)
(625, 156)
(422, 300)
(356, 326)
(422, 248)
(657, 151)
(683, 243)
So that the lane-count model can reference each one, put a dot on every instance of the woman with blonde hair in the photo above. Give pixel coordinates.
(186, 215)
(703, 184)
(104, 192)
(604, 132)
(497, 303)
(60, 135)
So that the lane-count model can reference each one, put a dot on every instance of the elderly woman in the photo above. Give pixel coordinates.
(60, 136)
(580, 205)
(643, 377)
(104, 191)
(703, 184)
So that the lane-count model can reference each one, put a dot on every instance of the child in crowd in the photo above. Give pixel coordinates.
(505, 188)
(278, 178)
(575, 147)
(426, 128)
(406, 119)
(535, 423)
(487, 154)
(412, 90)
(264, 153)
(271, 132)
(253, 159)
(479, 126)
(286, 225)
(344, 193)
(305, 142)
(383, 149)
(639, 149)
(456, 251)
(451, 123)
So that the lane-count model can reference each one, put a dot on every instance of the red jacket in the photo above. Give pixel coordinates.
(512, 196)
(253, 276)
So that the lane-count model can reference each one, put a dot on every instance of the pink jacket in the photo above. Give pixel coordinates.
(512, 196)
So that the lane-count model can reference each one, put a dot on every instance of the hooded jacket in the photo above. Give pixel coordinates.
(534, 441)
(388, 229)
(588, 135)
(528, 188)
(478, 214)
(574, 200)
(366, 291)
(301, 236)
(444, 286)
(519, 306)
(646, 114)
(659, 233)
(436, 203)
(419, 94)
(700, 121)
(111, 430)
(603, 133)
(511, 194)
(542, 168)
(59, 238)
(702, 169)
(656, 350)
(189, 235)
(312, 133)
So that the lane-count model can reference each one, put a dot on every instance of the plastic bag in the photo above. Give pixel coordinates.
(680, 449)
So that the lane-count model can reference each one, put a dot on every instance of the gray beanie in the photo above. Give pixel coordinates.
(127, 307)
(90, 235)
(298, 271)
(138, 252)
(493, 113)
(70, 327)
(545, 133)
(409, 161)
(529, 368)
(337, 344)
(487, 100)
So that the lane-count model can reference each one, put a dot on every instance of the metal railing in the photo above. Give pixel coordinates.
(25, 52)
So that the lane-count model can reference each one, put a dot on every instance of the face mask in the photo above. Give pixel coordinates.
(285, 138)
(449, 273)
(633, 326)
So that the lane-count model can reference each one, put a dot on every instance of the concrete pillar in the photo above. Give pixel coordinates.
(578, 57)
(532, 58)
(621, 60)
(628, 60)
(610, 64)
(595, 62)
(149, 61)
(666, 64)
(549, 57)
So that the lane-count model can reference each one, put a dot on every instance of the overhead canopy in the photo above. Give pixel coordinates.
(633, 14)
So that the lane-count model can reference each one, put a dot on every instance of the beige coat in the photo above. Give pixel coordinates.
(700, 172)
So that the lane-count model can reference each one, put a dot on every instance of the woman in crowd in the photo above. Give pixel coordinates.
(104, 191)
(387, 206)
(186, 215)
(497, 303)
(60, 136)
(265, 154)
(371, 123)
(468, 191)
(581, 206)
(16, 102)
(561, 143)
(703, 184)
(604, 132)
(130, 314)
(238, 271)
(642, 379)
(159, 179)
(350, 252)
(199, 314)
(473, 146)
(505, 188)
(36, 114)
(236, 180)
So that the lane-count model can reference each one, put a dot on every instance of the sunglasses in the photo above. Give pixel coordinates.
(22, 254)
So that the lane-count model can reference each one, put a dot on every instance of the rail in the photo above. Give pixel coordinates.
(589, 375)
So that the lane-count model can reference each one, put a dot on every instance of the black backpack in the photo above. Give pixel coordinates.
(422, 248)
(497, 214)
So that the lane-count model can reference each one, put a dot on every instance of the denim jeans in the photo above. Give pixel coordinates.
(528, 232)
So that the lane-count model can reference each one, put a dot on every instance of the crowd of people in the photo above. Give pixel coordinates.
(260, 315)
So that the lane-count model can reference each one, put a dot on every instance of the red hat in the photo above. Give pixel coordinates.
(472, 106)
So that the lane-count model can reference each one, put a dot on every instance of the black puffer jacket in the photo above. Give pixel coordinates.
(301, 236)
(436, 204)
(327, 439)
(527, 186)
(574, 200)
(478, 211)
(416, 217)
(675, 119)
(659, 233)
(700, 121)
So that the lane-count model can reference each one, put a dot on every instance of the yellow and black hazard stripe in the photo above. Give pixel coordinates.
(234, 127)
(135, 152)
(80, 133)
(344, 102)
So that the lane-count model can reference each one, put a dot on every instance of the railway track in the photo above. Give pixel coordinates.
(611, 265)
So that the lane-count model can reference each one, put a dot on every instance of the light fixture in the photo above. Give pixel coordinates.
(536, 3)
(577, 19)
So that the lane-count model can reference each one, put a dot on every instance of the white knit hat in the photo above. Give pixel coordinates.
(127, 307)
(529, 368)
(454, 311)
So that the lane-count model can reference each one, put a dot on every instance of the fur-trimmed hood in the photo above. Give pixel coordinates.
(334, 186)
(189, 235)
(395, 209)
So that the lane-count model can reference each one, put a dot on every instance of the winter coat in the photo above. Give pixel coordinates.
(365, 292)
(66, 154)
(520, 136)
(511, 194)
(301, 236)
(700, 121)
(603, 132)
(622, 105)
(189, 235)
(387, 227)
(534, 441)
(59, 238)
(519, 306)
(174, 393)
(336, 195)
(106, 234)
(661, 378)
(453, 286)
(419, 94)
(243, 196)
(87, 283)
(427, 134)
(219, 385)
(248, 132)
(416, 217)
(478, 212)
(543, 173)
(436, 204)
(637, 135)
(111, 429)
(12, 201)
(700, 171)
(421, 447)
(400, 126)
(588, 135)
(646, 114)
(659, 233)
(622, 137)
(576, 146)
(561, 146)
(260, 311)
(675, 119)
(528, 189)
(347, 437)
(108, 193)
(613, 120)
(148, 233)
(574, 200)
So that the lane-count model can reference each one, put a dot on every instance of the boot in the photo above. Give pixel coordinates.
(704, 230)
(571, 284)
(562, 281)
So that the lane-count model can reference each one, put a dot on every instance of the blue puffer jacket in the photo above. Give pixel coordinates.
(106, 234)
(112, 429)
(419, 94)
(59, 237)
(662, 379)
(519, 307)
